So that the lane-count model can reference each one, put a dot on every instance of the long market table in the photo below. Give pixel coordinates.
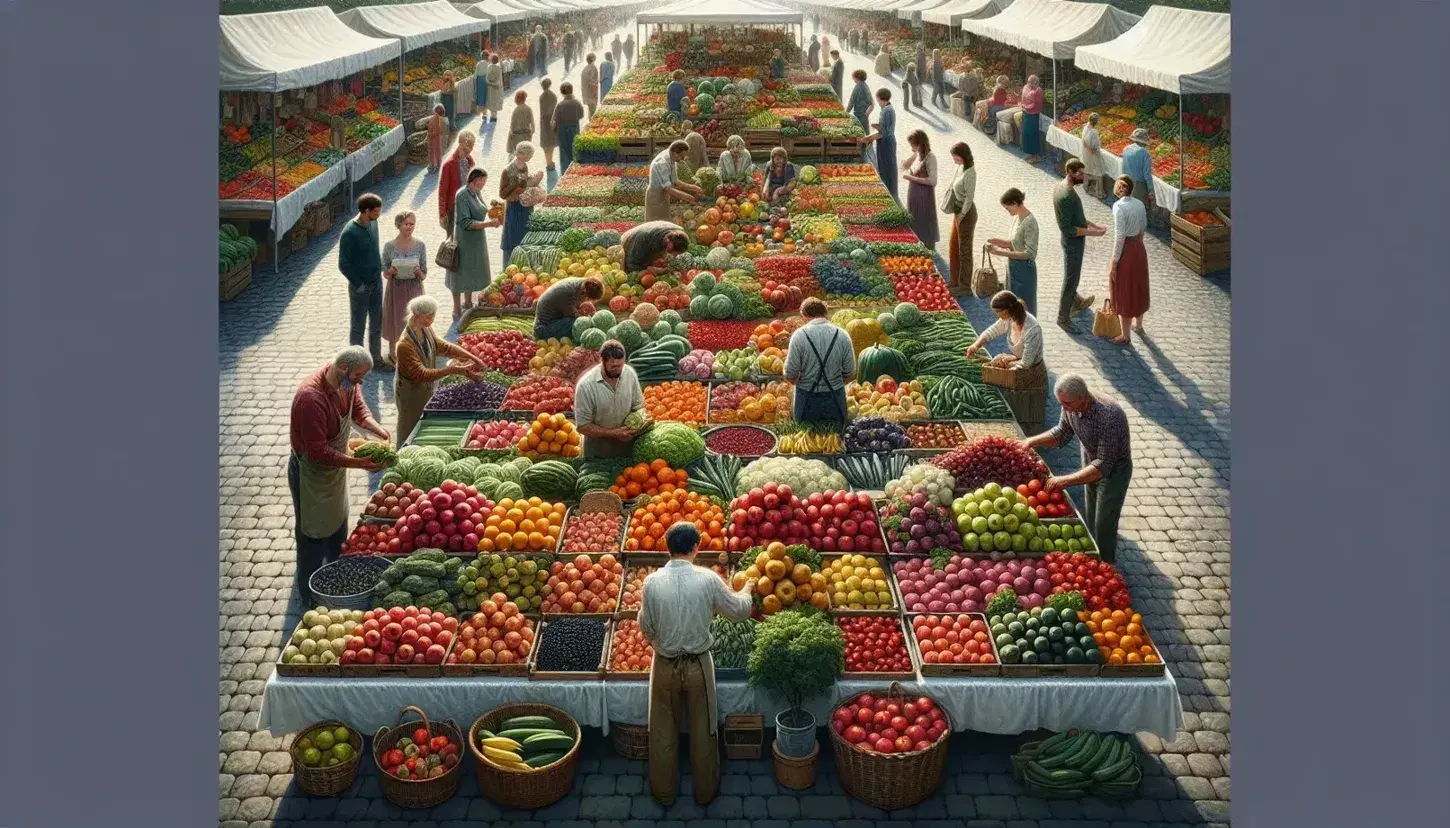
(1168, 196)
(987, 705)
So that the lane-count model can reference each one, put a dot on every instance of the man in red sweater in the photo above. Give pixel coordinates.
(325, 407)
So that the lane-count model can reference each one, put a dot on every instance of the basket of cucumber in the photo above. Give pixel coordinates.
(1077, 763)
(525, 755)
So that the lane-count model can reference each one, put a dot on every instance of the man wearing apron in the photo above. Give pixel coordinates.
(820, 360)
(317, 470)
(663, 183)
(644, 243)
(676, 604)
(604, 396)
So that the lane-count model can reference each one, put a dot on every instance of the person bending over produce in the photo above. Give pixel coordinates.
(1101, 427)
(780, 177)
(676, 604)
(1023, 334)
(665, 183)
(735, 165)
(323, 406)
(557, 307)
(653, 243)
(604, 398)
(819, 360)
(418, 371)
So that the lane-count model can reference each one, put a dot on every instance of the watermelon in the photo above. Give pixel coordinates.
(703, 284)
(720, 307)
(705, 101)
(594, 482)
(551, 480)
(682, 328)
(887, 321)
(512, 491)
(593, 339)
(629, 334)
(907, 315)
(660, 330)
(428, 473)
(676, 345)
(700, 307)
(390, 476)
(879, 360)
(581, 325)
(604, 319)
(671, 316)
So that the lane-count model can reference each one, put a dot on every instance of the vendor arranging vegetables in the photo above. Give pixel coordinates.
(607, 398)
(558, 306)
(317, 470)
(418, 371)
(820, 361)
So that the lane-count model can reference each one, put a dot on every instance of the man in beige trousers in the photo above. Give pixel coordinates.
(676, 605)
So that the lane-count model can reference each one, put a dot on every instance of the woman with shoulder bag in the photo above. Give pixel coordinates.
(470, 220)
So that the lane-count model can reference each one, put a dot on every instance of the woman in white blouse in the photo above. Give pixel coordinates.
(1094, 167)
(919, 169)
(1128, 274)
(959, 201)
(735, 165)
(1024, 335)
(1020, 250)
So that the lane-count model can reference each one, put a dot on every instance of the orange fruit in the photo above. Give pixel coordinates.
(770, 604)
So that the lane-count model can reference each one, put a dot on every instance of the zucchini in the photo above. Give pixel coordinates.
(520, 722)
(543, 760)
(523, 733)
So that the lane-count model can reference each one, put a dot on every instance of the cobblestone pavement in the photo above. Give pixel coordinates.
(1174, 547)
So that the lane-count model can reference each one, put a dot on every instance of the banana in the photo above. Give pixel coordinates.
(502, 743)
(519, 766)
(502, 756)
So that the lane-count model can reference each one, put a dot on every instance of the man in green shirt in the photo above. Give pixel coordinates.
(360, 259)
(1075, 229)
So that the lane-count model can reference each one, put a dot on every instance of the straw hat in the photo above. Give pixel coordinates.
(1139, 136)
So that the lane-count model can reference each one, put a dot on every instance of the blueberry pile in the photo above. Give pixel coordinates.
(874, 434)
(349, 576)
(571, 645)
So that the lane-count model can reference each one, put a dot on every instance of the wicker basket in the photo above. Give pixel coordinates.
(420, 793)
(629, 741)
(327, 781)
(890, 781)
(525, 790)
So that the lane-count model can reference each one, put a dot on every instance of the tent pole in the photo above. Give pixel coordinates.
(1182, 173)
(1054, 89)
(274, 182)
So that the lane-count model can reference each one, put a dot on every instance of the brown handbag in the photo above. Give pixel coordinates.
(1106, 323)
(984, 279)
(447, 257)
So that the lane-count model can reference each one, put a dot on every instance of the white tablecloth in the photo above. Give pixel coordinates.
(382, 148)
(289, 208)
(986, 705)
(1168, 196)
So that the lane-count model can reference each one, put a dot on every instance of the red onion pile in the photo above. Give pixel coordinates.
(506, 351)
(742, 441)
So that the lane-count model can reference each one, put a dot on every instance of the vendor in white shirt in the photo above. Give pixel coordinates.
(677, 602)
(1023, 334)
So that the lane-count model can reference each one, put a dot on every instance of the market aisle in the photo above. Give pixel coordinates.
(1175, 549)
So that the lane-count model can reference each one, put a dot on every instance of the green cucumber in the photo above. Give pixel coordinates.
(1107, 746)
(1109, 772)
(485, 734)
(544, 759)
(522, 722)
(1064, 749)
(1051, 743)
(548, 741)
(1070, 758)
(523, 733)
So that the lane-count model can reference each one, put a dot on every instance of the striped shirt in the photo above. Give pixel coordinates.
(1103, 432)
(802, 366)
(677, 602)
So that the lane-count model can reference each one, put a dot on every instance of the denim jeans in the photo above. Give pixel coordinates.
(1104, 505)
(365, 301)
(566, 147)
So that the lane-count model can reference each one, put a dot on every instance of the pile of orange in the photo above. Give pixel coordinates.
(775, 333)
(783, 583)
(522, 525)
(1120, 635)
(550, 435)
(650, 521)
(771, 403)
(650, 479)
(678, 402)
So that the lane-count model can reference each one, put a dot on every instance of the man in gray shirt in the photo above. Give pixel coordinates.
(604, 396)
(644, 243)
(820, 361)
(558, 306)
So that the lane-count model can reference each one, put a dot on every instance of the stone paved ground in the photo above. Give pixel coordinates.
(1175, 549)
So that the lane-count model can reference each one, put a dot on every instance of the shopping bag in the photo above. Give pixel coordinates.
(984, 279)
(1106, 323)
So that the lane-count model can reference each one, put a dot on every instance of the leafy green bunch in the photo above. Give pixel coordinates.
(797, 656)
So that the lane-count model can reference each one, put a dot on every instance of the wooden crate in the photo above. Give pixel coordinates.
(636, 148)
(611, 674)
(744, 736)
(307, 670)
(801, 148)
(1135, 670)
(910, 651)
(236, 280)
(1198, 263)
(518, 669)
(842, 148)
(297, 238)
(535, 674)
(952, 670)
(762, 140)
(1203, 250)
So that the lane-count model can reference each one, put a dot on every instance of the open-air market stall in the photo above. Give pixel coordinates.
(279, 70)
(1184, 53)
(689, 13)
(430, 34)
(952, 14)
(915, 521)
(510, 31)
(912, 13)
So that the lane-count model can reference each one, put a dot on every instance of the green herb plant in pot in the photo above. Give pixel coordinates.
(797, 657)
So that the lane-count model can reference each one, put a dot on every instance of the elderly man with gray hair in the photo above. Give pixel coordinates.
(324, 408)
(1101, 427)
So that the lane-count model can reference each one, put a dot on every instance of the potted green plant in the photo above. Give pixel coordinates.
(797, 657)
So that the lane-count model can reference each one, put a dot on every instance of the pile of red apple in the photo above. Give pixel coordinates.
(765, 514)
(875, 644)
(494, 434)
(888, 725)
(450, 518)
(508, 352)
(419, 756)
(392, 500)
(1046, 505)
(401, 635)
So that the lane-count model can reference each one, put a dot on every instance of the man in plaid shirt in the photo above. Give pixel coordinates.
(1101, 427)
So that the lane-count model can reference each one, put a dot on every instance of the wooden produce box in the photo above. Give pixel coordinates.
(282, 668)
(298, 238)
(236, 280)
(744, 736)
(906, 642)
(802, 148)
(535, 674)
(1203, 249)
(636, 148)
(762, 140)
(952, 670)
(1135, 670)
(518, 669)
(842, 148)
(611, 674)
(896, 602)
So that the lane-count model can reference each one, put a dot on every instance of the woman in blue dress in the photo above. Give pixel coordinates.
(885, 139)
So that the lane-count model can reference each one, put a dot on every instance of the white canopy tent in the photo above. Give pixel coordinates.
(912, 13)
(275, 52)
(955, 12)
(722, 11)
(1177, 50)
(495, 11)
(416, 25)
(1052, 28)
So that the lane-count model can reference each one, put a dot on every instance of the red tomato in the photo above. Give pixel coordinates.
(885, 746)
(864, 715)
(855, 735)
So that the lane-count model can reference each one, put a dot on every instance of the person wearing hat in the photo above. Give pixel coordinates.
(1138, 165)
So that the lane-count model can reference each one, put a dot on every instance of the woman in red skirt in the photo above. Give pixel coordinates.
(1128, 275)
